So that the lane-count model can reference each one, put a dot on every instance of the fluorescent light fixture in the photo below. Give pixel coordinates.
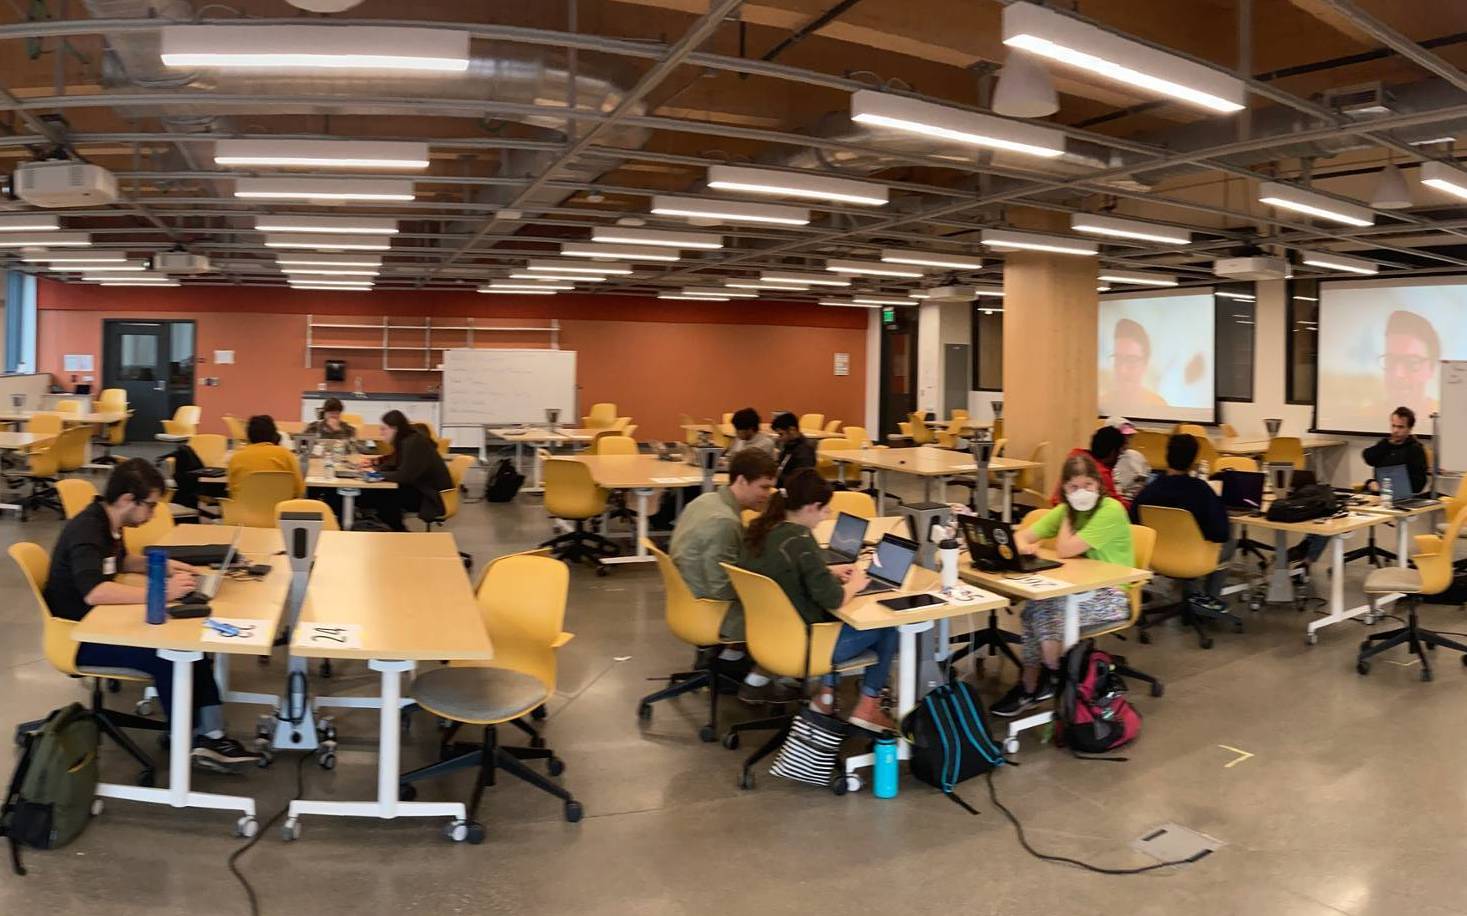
(332, 289)
(1102, 289)
(511, 291)
(29, 222)
(919, 296)
(804, 279)
(111, 267)
(315, 47)
(849, 303)
(617, 252)
(633, 235)
(914, 116)
(571, 267)
(1138, 278)
(327, 282)
(991, 292)
(118, 281)
(1306, 299)
(340, 225)
(1432, 140)
(991, 311)
(757, 284)
(794, 184)
(1097, 224)
(1075, 43)
(871, 300)
(574, 278)
(729, 211)
(322, 241)
(1007, 239)
(508, 284)
(1277, 194)
(325, 272)
(1241, 297)
(1443, 177)
(1331, 261)
(45, 239)
(324, 189)
(870, 269)
(719, 291)
(73, 257)
(327, 260)
(682, 298)
(929, 259)
(322, 154)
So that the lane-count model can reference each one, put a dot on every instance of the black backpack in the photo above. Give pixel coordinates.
(1305, 503)
(186, 468)
(50, 799)
(950, 739)
(504, 482)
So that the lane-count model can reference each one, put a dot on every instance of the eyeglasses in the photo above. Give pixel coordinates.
(1127, 359)
(1396, 362)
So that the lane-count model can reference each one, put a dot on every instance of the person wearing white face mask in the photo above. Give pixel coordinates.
(1087, 524)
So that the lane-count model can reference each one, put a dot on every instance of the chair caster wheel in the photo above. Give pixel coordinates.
(538, 714)
(407, 792)
(290, 831)
(1158, 689)
(644, 712)
(574, 812)
(731, 741)
(1311, 639)
(746, 779)
(1363, 667)
(1011, 745)
(147, 779)
(266, 758)
(1426, 674)
(143, 708)
(246, 827)
(1205, 642)
(1143, 637)
(327, 761)
(838, 785)
(555, 766)
(98, 807)
(461, 831)
(1237, 626)
(707, 734)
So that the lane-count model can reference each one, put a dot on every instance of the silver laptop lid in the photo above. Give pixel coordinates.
(209, 584)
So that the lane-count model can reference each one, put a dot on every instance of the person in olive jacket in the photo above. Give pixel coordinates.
(418, 470)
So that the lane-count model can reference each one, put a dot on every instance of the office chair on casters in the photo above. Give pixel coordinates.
(572, 494)
(1143, 542)
(1183, 554)
(1432, 576)
(992, 637)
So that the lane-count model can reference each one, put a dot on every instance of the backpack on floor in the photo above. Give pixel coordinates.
(950, 739)
(504, 482)
(49, 801)
(811, 751)
(1093, 713)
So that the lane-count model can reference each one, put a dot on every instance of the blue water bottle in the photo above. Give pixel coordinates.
(157, 584)
(885, 770)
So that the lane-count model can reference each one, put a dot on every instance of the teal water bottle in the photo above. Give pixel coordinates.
(885, 771)
(157, 584)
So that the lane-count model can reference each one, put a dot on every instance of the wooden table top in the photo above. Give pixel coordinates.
(261, 602)
(364, 433)
(867, 612)
(728, 430)
(1256, 445)
(1355, 520)
(16, 441)
(926, 461)
(425, 545)
(627, 472)
(542, 434)
(316, 477)
(1078, 574)
(73, 419)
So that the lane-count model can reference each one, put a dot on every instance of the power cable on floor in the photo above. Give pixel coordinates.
(234, 857)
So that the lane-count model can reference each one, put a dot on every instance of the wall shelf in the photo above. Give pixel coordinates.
(419, 338)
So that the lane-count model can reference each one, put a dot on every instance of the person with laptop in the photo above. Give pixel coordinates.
(795, 451)
(781, 545)
(89, 555)
(1106, 445)
(747, 433)
(331, 425)
(415, 466)
(264, 453)
(1089, 523)
(1401, 449)
(1178, 489)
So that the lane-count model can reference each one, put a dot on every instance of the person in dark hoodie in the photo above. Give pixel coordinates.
(1401, 449)
(795, 451)
(418, 470)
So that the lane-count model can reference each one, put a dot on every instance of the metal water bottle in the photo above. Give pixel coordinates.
(884, 772)
(1387, 494)
(157, 584)
(947, 558)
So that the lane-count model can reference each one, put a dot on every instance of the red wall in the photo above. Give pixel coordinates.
(655, 359)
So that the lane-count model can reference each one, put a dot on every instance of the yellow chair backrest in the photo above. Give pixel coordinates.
(997, 430)
(853, 502)
(1206, 451)
(151, 532)
(117, 432)
(458, 466)
(1285, 449)
(948, 436)
(696, 621)
(1235, 463)
(71, 448)
(328, 517)
(44, 460)
(1033, 478)
(210, 447)
(1433, 556)
(690, 436)
(601, 415)
(571, 491)
(112, 399)
(614, 445)
(1143, 544)
(354, 420)
(958, 413)
(1189, 429)
(999, 446)
(720, 438)
(812, 421)
(778, 637)
(253, 504)
(1229, 431)
(831, 469)
(522, 599)
(728, 417)
(234, 427)
(67, 406)
(1151, 445)
(56, 641)
(921, 433)
(832, 426)
(1031, 517)
(76, 494)
(1181, 551)
(858, 435)
(188, 414)
(44, 422)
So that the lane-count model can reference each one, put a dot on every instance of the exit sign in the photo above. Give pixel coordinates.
(888, 315)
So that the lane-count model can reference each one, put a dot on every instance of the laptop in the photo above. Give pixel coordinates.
(846, 539)
(210, 582)
(1402, 494)
(1242, 491)
(199, 554)
(889, 565)
(991, 545)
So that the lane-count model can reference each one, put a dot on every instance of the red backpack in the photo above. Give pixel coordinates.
(1094, 714)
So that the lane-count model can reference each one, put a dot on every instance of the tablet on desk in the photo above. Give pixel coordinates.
(910, 602)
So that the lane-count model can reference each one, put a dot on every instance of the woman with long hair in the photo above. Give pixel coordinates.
(418, 470)
(1089, 523)
(780, 544)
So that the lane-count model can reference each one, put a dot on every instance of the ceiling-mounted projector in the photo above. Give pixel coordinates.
(1255, 268)
(63, 183)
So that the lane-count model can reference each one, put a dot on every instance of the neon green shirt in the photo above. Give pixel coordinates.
(1106, 528)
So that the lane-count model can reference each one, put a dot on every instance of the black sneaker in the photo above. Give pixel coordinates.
(1045, 688)
(1015, 702)
(222, 753)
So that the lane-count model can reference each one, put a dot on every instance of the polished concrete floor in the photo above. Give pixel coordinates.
(1352, 802)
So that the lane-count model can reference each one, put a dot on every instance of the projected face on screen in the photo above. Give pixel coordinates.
(1156, 356)
(1411, 354)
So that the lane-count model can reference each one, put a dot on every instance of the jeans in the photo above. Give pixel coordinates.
(390, 505)
(1314, 545)
(1212, 585)
(206, 691)
(852, 642)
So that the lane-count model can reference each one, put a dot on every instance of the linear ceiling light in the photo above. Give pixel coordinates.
(919, 296)
(1331, 261)
(118, 281)
(340, 288)
(730, 211)
(328, 272)
(1443, 177)
(757, 284)
(572, 267)
(341, 225)
(549, 277)
(1276, 194)
(1078, 44)
(1242, 297)
(1005, 240)
(324, 189)
(73, 257)
(720, 291)
(794, 184)
(867, 300)
(322, 241)
(914, 116)
(992, 292)
(870, 269)
(632, 235)
(1096, 224)
(929, 259)
(29, 222)
(324, 281)
(322, 154)
(110, 267)
(684, 298)
(510, 284)
(617, 252)
(1140, 279)
(804, 279)
(45, 239)
(315, 47)
(520, 291)
(850, 303)
(327, 260)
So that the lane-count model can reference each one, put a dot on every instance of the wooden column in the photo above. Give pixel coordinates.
(1049, 346)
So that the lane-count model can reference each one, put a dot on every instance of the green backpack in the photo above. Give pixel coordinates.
(49, 801)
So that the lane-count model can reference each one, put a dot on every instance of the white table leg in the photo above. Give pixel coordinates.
(348, 506)
(907, 699)
(1071, 636)
(1337, 610)
(1280, 589)
(880, 492)
(640, 555)
(221, 677)
(1008, 497)
(1403, 540)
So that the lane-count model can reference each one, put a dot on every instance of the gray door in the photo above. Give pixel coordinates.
(957, 372)
(153, 361)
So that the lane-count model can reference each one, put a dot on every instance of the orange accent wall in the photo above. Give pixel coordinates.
(655, 359)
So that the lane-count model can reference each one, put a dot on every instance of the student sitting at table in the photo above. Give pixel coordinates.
(1131, 471)
(415, 466)
(331, 426)
(1106, 445)
(1088, 524)
(1178, 489)
(747, 433)
(89, 554)
(780, 544)
(264, 453)
(795, 451)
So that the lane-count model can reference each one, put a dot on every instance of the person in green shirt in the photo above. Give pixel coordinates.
(1088, 524)
(779, 544)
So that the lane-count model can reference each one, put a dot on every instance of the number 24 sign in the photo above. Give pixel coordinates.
(332, 635)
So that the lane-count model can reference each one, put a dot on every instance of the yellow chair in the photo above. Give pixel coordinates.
(997, 430)
(328, 517)
(1433, 575)
(111, 436)
(44, 423)
(1235, 463)
(571, 494)
(151, 532)
(921, 432)
(613, 444)
(72, 448)
(858, 435)
(1189, 429)
(1030, 482)
(60, 650)
(67, 406)
(1143, 544)
(747, 516)
(211, 448)
(354, 420)
(76, 494)
(112, 399)
(1286, 450)
(853, 502)
(685, 423)
(999, 446)
(812, 422)
(253, 504)
(832, 426)
(950, 436)
(1451, 505)
(832, 470)
(235, 428)
(184, 424)
(958, 413)
(1182, 553)
(1151, 445)
(42, 470)
(458, 466)
(697, 622)
(720, 438)
(1228, 431)
(784, 645)
(1206, 451)
(522, 600)
(601, 416)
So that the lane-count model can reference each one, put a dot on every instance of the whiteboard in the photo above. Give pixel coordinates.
(500, 387)
(1451, 429)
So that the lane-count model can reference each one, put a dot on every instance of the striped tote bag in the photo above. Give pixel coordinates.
(811, 750)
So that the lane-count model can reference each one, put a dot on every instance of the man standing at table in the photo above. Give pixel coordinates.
(84, 566)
